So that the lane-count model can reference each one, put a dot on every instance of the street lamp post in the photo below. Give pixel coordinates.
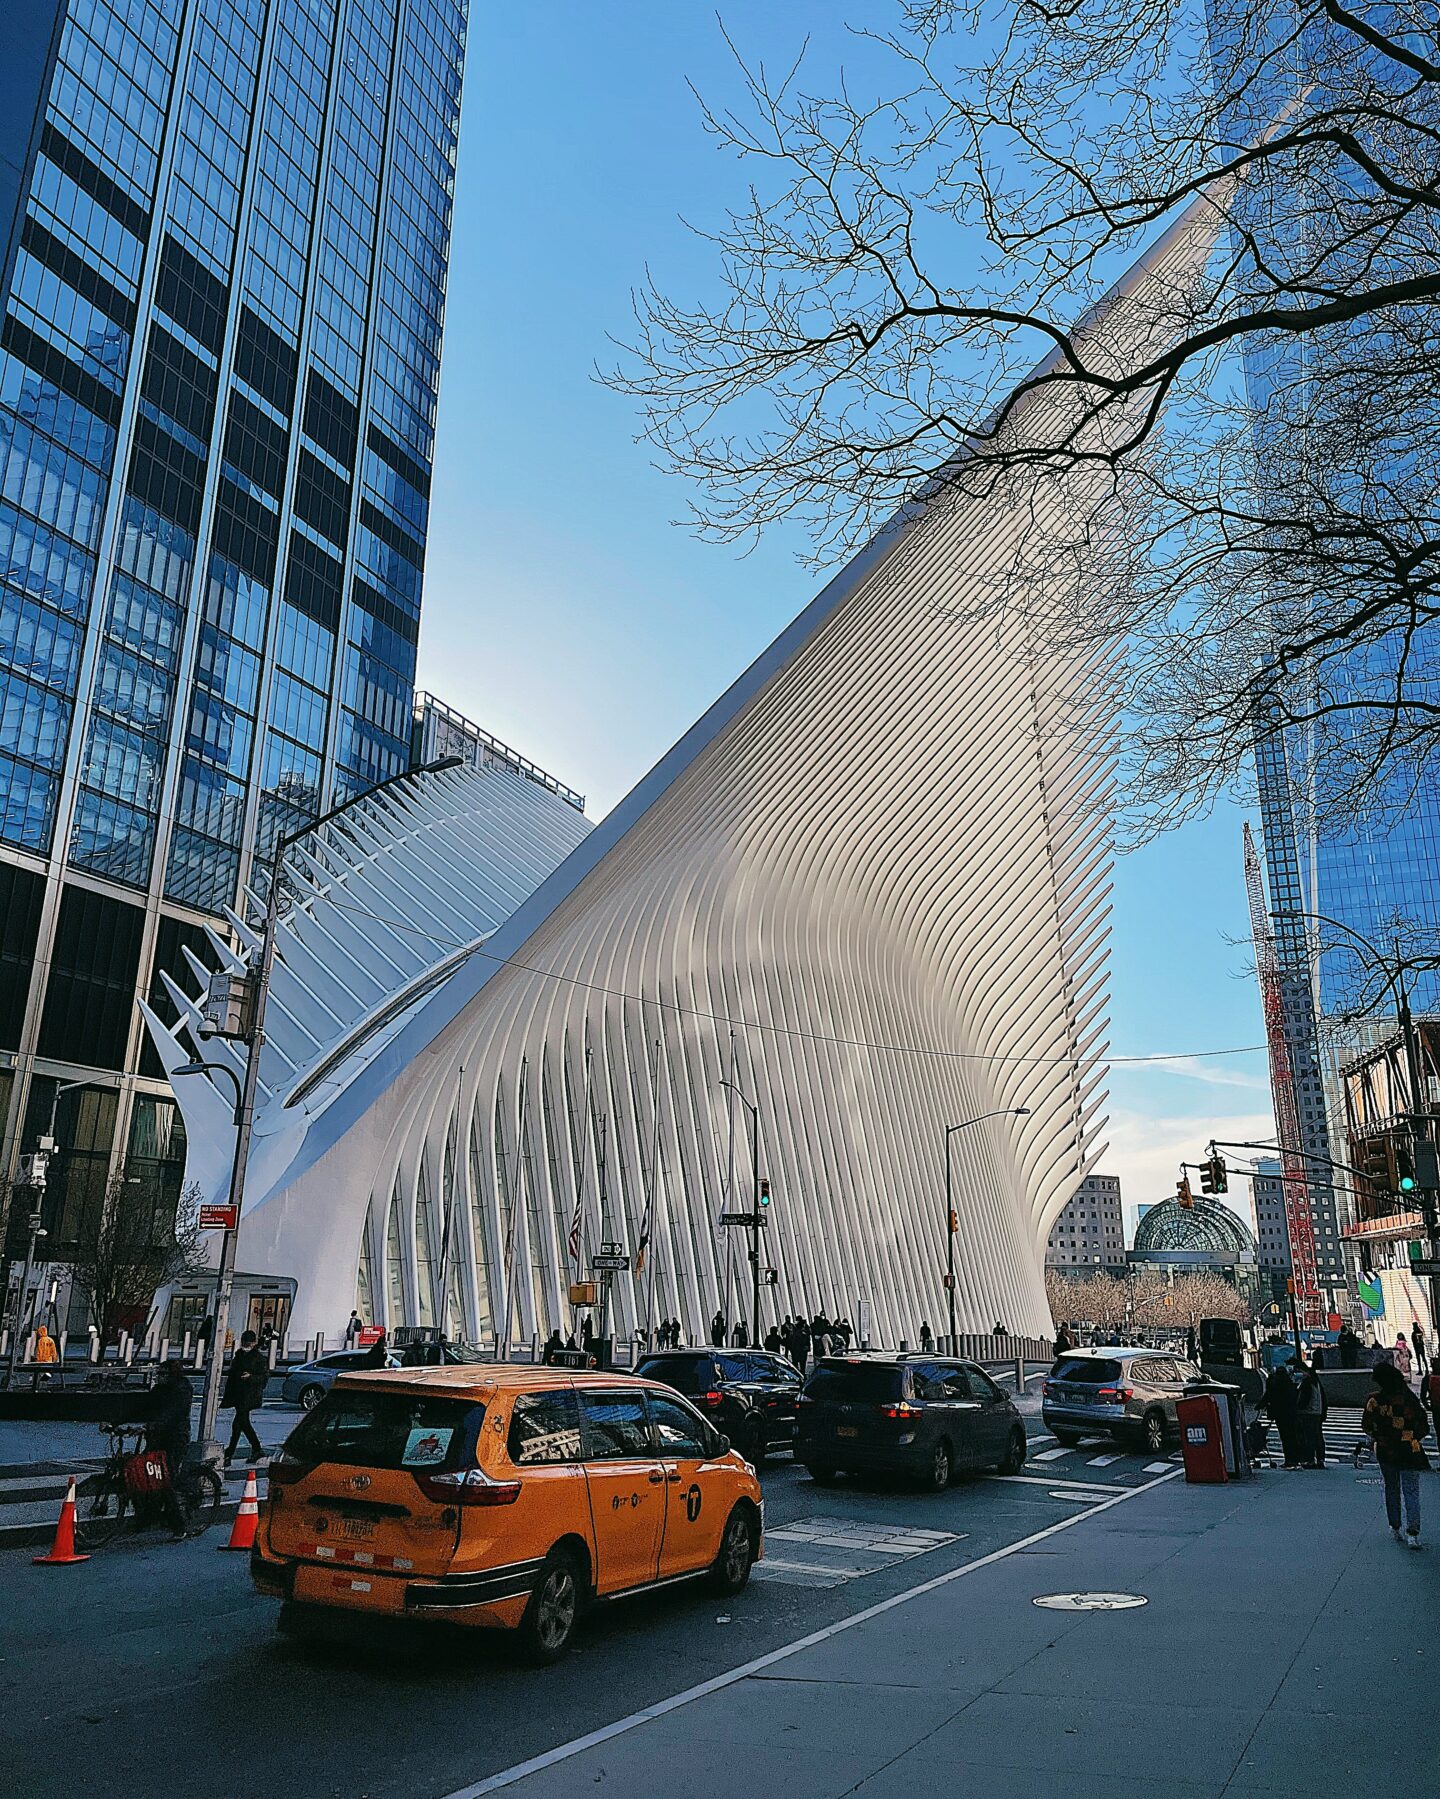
(45, 1151)
(246, 1091)
(754, 1112)
(951, 1221)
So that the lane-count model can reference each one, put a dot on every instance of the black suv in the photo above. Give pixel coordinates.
(924, 1416)
(747, 1393)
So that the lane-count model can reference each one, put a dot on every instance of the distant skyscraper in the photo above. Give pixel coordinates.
(1089, 1235)
(219, 360)
(1272, 1233)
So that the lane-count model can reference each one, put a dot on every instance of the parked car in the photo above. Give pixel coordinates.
(750, 1394)
(1128, 1394)
(308, 1384)
(500, 1497)
(925, 1416)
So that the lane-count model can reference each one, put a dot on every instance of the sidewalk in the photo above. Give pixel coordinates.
(1287, 1648)
(37, 1459)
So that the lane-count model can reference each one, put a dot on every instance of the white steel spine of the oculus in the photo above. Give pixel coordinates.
(870, 887)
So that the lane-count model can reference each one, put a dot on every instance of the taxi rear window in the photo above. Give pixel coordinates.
(406, 1430)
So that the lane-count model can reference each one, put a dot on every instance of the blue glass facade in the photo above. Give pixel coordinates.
(1375, 873)
(219, 359)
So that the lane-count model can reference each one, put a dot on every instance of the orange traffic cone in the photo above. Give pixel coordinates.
(62, 1550)
(247, 1519)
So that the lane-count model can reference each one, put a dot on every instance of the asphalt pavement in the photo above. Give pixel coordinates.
(158, 1656)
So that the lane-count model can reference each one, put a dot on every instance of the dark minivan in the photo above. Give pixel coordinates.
(923, 1416)
(747, 1393)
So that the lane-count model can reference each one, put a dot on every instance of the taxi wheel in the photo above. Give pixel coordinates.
(737, 1552)
(310, 1397)
(550, 1617)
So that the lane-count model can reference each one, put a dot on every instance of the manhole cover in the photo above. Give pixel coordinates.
(1091, 1602)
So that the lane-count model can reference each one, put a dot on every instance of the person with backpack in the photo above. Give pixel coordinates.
(244, 1390)
(1395, 1421)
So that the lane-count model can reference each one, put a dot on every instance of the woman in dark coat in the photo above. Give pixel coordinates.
(1396, 1421)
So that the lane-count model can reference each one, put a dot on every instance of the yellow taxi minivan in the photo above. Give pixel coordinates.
(501, 1496)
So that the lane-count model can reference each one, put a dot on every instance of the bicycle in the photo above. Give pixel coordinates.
(114, 1492)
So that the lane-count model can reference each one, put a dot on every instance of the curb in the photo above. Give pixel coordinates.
(26, 1536)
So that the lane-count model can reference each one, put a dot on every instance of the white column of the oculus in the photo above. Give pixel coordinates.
(870, 886)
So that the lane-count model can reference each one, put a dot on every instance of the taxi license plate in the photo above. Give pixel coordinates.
(357, 1530)
(847, 1430)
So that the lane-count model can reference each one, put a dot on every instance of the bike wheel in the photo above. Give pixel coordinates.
(200, 1496)
(100, 1513)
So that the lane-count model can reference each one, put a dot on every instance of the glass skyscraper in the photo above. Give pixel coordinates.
(226, 229)
(1373, 869)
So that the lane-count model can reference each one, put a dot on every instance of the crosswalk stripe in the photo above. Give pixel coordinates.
(1102, 1461)
(1049, 1455)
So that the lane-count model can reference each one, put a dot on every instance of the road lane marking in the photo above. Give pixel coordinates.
(1155, 1467)
(550, 1758)
(1050, 1455)
(1103, 1461)
(1037, 1480)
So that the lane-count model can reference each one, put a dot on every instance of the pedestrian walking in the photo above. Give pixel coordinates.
(1401, 1356)
(377, 1354)
(1064, 1342)
(47, 1352)
(999, 1330)
(1394, 1420)
(1310, 1417)
(1432, 1393)
(1282, 1405)
(244, 1390)
(717, 1331)
(353, 1330)
(927, 1338)
(772, 1339)
(167, 1429)
(801, 1352)
(739, 1337)
(551, 1350)
(1349, 1346)
(1417, 1343)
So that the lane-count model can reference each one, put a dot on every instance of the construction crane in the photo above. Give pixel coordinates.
(1294, 1183)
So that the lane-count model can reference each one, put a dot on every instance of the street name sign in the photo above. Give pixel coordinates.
(1425, 1265)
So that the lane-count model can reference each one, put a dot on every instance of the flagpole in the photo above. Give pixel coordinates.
(650, 1214)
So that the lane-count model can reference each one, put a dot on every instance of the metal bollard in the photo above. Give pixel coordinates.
(94, 1344)
(1019, 1375)
(163, 1355)
(185, 1348)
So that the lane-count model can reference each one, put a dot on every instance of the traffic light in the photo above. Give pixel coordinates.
(1213, 1178)
(1377, 1164)
(1405, 1181)
(954, 1221)
(1183, 1194)
(764, 1193)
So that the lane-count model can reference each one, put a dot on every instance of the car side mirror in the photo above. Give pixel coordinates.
(722, 1444)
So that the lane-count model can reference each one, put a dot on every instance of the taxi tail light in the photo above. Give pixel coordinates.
(1115, 1393)
(285, 1469)
(713, 1397)
(470, 1486)
(901, 1409)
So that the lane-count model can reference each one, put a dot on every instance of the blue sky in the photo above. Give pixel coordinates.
(567, 611)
